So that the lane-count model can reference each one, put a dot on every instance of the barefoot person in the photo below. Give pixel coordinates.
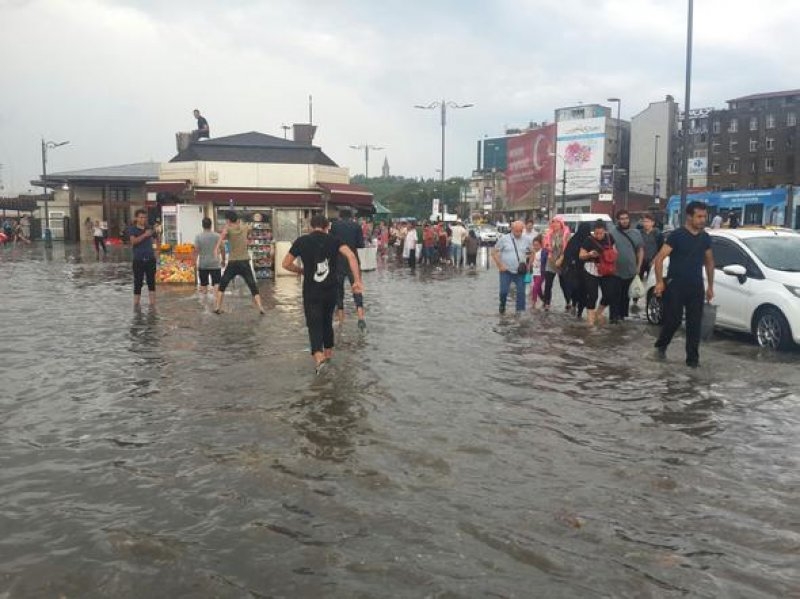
(144, 258)
(320, 254)
(238, 260)
(209, 256)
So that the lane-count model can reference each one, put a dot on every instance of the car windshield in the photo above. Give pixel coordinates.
(777, 252)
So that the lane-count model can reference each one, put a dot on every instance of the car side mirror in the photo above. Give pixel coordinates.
(736, 270)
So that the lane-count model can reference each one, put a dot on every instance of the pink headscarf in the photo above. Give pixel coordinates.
(555, 225)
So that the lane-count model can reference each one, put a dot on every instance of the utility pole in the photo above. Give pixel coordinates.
(686, 108)
(655, 172)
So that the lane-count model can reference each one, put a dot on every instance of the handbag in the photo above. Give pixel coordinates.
(522, 267)
(636, 290)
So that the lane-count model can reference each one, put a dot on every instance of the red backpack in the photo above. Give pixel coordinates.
(607, 265)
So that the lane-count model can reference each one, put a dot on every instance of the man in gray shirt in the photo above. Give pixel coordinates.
(209, 264)
(630, 248)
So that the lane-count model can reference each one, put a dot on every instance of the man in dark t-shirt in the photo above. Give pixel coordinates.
(347, 231)
(319, 252)
(689, 251)
(144, 258)
(202, 130)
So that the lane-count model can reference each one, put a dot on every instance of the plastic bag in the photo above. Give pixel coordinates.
(636, 290)
(708, 321)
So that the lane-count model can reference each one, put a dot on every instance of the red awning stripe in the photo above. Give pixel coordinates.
(259, 197)
(342, 194)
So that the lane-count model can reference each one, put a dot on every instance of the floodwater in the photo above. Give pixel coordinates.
(447, 453)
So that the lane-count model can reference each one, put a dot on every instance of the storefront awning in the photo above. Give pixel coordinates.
(342, 194)
(260, 197)
(175, 186)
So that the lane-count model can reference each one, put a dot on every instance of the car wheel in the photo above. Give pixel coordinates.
(772, 329)
(655, 308)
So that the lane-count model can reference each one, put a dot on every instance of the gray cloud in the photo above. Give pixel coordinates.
(118, 78)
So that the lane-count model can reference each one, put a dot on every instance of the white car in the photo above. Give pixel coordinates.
(487, 235)
(756, 284)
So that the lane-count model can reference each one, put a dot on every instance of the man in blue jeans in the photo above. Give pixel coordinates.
(510, 256)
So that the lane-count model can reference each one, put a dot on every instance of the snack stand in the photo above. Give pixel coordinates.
(176, 264)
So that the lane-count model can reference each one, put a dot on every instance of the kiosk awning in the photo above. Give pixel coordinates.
(347, 195)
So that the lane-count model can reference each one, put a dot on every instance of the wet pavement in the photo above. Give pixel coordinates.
(449, 452)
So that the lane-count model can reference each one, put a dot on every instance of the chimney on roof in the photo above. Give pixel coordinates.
(304, 133)
(183, 139)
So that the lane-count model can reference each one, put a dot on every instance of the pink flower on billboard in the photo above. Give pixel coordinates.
(577, 154)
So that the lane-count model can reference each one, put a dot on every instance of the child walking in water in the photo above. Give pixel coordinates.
(536, 271)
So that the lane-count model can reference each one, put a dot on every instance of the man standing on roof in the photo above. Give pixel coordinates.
(202, 127)
(347, 231)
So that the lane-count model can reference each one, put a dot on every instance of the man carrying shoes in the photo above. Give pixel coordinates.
(689, 250)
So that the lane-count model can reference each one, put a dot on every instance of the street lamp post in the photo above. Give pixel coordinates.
(655, 171)
(442, 106)
(687, 98)
(366, 148)
(47, 145)
(618, 150)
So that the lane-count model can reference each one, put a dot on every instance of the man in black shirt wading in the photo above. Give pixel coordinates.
(320, 253)
(348, 231)
(202, 126)
(689, 250)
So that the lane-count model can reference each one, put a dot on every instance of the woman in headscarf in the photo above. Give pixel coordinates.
(555, 241)
(573, 270)
(592, 253)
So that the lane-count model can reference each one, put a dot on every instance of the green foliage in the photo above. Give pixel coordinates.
(412, 197)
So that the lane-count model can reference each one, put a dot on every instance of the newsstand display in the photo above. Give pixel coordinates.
(259, 243)
(176, 264)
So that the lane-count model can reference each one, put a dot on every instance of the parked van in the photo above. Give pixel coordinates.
(575, 219)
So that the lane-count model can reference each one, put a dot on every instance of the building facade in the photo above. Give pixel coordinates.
(587, 140)
(754, 143)
(699, 143)
(654, 151)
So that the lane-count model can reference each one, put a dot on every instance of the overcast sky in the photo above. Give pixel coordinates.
(117, 78)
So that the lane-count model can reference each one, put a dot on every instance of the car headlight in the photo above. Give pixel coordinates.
(793, 289)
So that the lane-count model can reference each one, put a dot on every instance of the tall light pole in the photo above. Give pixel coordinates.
(366, 148)
(442, 106)
(563, 182)
(655, 171)
(618, 151)
(686, 108)
(47, 145)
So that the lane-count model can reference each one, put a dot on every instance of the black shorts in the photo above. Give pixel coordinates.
(204, 275)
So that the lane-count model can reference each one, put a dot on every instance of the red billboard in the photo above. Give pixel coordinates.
(531, 166)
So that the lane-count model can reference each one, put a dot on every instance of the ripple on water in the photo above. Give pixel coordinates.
(448, 452)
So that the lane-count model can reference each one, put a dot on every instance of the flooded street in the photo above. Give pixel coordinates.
(449, 452)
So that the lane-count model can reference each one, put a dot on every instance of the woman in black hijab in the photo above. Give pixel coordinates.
(574, 267)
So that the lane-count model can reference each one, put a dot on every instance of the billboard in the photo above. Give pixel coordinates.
(580, 146)
(531, 166)
(698, 167)
(494, 154)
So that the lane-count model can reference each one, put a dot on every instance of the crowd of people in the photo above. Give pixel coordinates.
(12, 231)
(595, 266)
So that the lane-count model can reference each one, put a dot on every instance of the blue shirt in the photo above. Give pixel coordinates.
(144, 249)
(510, 257)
